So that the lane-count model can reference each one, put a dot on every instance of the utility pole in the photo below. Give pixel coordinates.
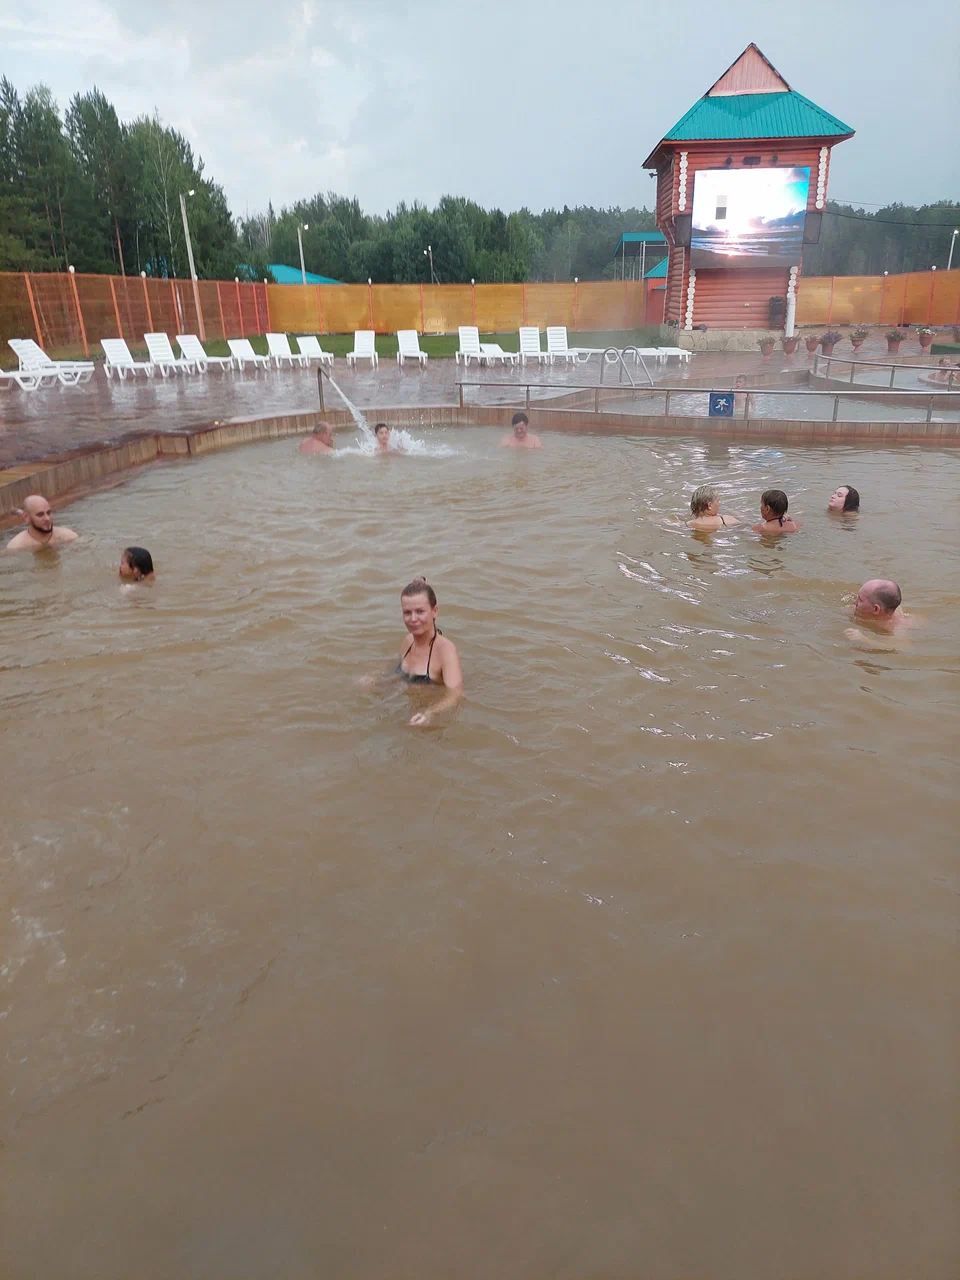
(303, 269)
(193, 269)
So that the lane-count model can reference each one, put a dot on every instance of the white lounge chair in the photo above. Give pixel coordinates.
(278, 348)
(680, 352)
(35, 361)
(494, 351)
(310, 348)
(243, 353)
(364, 348)
(119, 361)
(470, 348)
(530, 345)
(408, 347)
(192, 349)
(15, 378)
(161, 354)
(557, 348)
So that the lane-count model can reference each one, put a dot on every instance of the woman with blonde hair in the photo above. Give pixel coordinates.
(705, 505)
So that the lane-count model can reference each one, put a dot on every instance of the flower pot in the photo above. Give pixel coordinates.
(926, 340)
(790, 345)
(812, 344)
(857, 343)
(893, 346)
(827, 348)
(766, 348)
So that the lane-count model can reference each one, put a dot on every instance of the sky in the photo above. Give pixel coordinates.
(510, 102)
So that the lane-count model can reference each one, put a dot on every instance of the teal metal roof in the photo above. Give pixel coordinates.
(631, 241)
(736, 117)
(291, 275)
(658, 272)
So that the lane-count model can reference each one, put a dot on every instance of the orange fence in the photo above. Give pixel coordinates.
(67, 310)
(918, 297)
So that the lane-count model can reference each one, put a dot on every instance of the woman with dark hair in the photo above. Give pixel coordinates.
(773, 514)
(136, 565)
(427, 657)
(845, 499)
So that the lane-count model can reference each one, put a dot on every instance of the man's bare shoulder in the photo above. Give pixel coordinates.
(22, 542)
(61, 535)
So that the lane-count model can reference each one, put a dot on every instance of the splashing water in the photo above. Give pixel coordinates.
(400, 440)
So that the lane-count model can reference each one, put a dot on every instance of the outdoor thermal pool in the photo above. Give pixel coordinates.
(643, 962)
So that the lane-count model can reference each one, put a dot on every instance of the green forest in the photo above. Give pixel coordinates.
(84, 188)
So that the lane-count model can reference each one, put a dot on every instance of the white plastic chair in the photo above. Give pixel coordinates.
(557, 348)
(680, 352)
(243, 353)
(408, 347)
(35, 361)
(278, 348)
(310, 348)
(25, 381)
(530, 345)
(161, 354)
(494, 351)
(119, 361)
(470, 348)
(364, 348)
(192, 349)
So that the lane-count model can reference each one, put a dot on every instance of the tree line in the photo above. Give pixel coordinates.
(87, 190)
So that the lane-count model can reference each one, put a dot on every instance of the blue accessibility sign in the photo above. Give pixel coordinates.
(721, 404)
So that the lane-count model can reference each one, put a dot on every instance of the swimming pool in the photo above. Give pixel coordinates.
(657, 931)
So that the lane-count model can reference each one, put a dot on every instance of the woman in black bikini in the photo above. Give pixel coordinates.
(428, 658)
(705, 506)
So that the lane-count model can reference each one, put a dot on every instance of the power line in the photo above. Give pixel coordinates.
(890, 222)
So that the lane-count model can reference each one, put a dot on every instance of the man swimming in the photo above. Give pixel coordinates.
(382, 433)
(521, 437)
(845, 499)
(879, 603)
(40, 531)
(321, 441)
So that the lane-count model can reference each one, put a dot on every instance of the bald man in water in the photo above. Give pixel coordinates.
(321, 441)
(38, 518)
(878, 604)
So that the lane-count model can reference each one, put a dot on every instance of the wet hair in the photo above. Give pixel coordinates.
(518, 418)
(852, 501)
(776, 500)
(139, 558)
(376, 429)
(420, 587)
(888, 596)
(322, 428)
(702, 498)
(741, 377)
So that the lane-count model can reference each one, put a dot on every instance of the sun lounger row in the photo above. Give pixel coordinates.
(471, 348)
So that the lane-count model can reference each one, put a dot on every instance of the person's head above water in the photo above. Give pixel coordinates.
(703, 500)
(844, 498)
(519, 422)
(741, 380)
(37, 513)
(136, 563)
(773, 504)
(323, 431)
(418, 601)
(381, 431)
(879, 598)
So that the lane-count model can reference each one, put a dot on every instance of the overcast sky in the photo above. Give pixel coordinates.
(509, 102)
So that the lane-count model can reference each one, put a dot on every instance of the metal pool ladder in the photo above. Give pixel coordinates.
(616, 351)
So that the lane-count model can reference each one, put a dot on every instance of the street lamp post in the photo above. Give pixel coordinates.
(428, 253)
(303, 269)
(193, 270)
(953, 241)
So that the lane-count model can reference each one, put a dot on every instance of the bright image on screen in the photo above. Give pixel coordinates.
(748, 217)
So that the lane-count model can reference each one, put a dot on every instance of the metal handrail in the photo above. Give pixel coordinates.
(597, 387)
(954, 378)
(640, 360)
(618, 354)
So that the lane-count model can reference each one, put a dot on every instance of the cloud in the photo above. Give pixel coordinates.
(537, 104)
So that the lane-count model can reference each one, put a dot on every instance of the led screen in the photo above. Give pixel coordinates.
(748, 217)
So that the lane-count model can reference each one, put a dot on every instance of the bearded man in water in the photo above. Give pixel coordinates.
(39, 533)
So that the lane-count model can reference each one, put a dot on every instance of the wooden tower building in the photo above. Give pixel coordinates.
(741, 185)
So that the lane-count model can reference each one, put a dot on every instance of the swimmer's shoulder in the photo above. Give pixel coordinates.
(64, 535)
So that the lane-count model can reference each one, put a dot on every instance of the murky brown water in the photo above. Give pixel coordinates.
(645, 965)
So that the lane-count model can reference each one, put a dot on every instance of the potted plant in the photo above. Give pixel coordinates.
(766, 344)
(859, 336)
(926, 336)
(894, 338)
(829, 341)
(790, 344)
(812, 344)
